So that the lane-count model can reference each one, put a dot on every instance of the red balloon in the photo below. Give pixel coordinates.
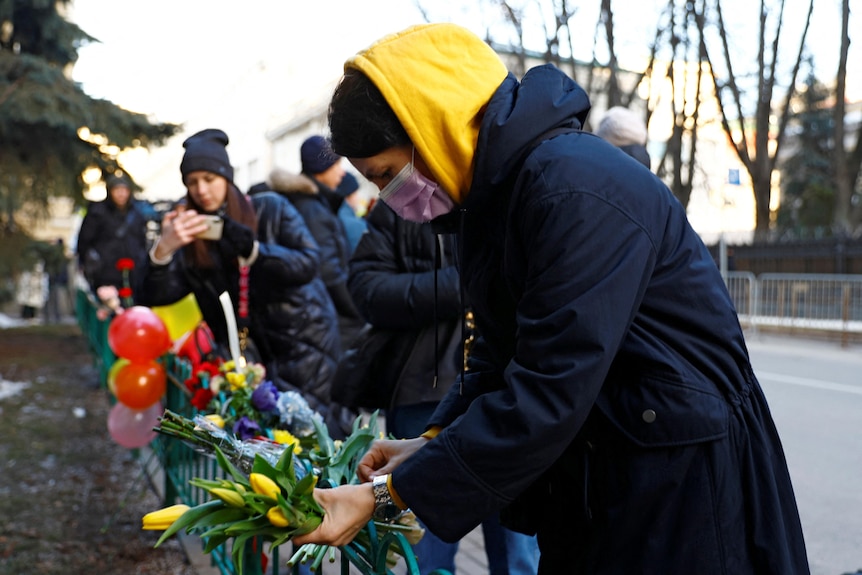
(140, 385)
(133, 428)
(138, 335)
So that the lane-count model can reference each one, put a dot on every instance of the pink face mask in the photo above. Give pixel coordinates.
(414, 197)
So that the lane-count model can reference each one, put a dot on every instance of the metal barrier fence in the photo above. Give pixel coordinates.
(821, 302)
(95, 330)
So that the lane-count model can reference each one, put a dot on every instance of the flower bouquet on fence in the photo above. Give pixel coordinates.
(267, 494)
(240, 398)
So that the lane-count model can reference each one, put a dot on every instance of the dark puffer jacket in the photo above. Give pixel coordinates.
(108, 234)
(328, 231)
(392, 282)
(292, 318)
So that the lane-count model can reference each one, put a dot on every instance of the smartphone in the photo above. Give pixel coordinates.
(215, 225)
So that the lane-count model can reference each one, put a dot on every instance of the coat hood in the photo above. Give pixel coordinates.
(286, 182)
(519, 114)
(437, 78)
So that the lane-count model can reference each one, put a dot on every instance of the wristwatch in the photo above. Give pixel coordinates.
(385, 509)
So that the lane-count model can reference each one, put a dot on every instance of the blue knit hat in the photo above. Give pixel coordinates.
(316, 155)
(206, 151)
(348, 185)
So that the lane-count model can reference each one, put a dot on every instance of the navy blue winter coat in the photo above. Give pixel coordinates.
(610, 403)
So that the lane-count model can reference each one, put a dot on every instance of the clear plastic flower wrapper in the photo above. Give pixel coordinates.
(203, 434)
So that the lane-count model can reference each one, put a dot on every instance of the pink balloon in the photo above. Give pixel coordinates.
(133, 428)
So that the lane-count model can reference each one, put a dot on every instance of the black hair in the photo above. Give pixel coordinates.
(361, 123)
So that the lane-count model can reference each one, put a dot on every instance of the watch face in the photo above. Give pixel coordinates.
(387, 512)
(385, 509)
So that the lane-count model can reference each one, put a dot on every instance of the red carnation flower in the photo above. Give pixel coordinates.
(125, 264)
(192, 383)
(201, 399)
(208, 367)
(125, 292)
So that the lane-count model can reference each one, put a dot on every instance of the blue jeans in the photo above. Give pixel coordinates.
(508, 552)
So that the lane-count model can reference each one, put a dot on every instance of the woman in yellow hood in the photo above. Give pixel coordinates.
(609, 404)
(436, 109)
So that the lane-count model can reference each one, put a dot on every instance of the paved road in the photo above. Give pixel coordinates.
(814, 389)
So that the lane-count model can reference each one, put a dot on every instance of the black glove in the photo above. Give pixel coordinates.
(237, 238)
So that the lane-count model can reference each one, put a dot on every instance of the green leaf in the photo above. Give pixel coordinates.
(205, 484)
(285, 464)
(257, 505)
(311, 523)
(213, 533)
(226, 515)
(229, 467)
(304, 487)
(257, 522)
(326, 447)
(341, 469)
(293, 515)
(263, 467)
(213, 541)
(238, 552)
(282, 539)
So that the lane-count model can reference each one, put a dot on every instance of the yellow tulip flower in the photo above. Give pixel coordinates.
(263, 485)
(217, 419)
(229, 496)
(276, 517)
(163, 518)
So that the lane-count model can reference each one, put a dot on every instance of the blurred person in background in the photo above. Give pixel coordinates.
(627, 131)
(351, 211)
(312, 193)
(32, 290)
(57, 267)
(113, 229)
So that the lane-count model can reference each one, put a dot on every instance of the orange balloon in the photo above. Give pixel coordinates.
(140, 385)
(112, 374)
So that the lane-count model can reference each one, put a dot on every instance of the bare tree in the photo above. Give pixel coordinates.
(847, 161)
(677, 31)
(757, 147)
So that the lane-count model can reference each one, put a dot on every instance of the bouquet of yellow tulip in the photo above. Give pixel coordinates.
(268, 492)
(272, 502)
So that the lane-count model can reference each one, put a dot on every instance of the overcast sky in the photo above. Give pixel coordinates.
(175, 58)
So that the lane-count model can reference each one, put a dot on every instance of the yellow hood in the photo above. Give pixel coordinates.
(437, 78)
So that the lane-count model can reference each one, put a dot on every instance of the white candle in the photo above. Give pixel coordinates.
(232, 332)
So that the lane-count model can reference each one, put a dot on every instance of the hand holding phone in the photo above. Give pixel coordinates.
(215, 227)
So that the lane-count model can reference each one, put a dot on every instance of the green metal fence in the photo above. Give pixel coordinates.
(95, 330)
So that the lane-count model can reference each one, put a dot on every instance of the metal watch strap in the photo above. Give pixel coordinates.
(385, 508)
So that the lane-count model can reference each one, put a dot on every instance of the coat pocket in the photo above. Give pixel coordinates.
(660, 412)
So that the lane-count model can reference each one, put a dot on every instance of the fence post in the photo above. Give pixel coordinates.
(845, 314)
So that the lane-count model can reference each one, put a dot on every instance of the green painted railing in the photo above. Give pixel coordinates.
(95, 330)
(180, 463)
